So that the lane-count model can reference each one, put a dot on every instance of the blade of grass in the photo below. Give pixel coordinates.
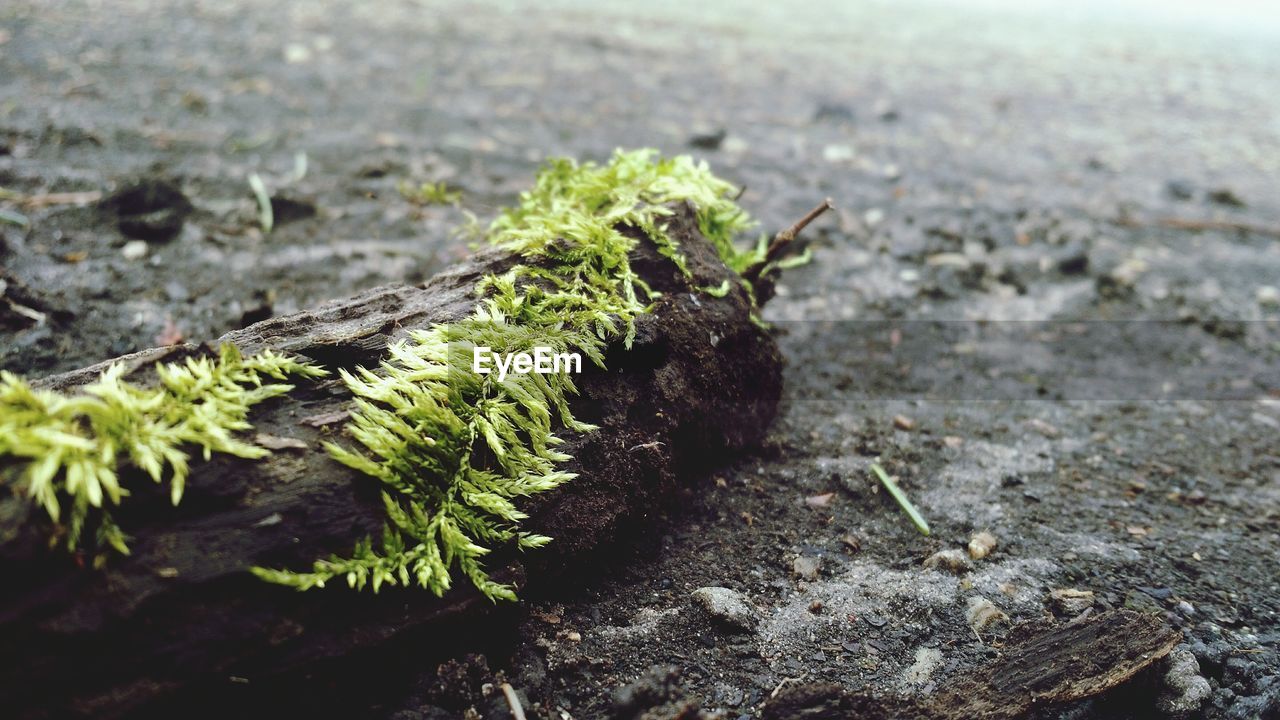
(901, 497)
(14, 218)
(266, 217)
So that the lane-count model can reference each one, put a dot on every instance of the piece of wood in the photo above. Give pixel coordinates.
(180, 628)
(1050, 664)
(1042, 664)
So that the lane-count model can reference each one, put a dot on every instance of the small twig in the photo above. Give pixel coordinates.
(785, 682)
(34, 202)
(1197, 225)
(780, 243)
(517, 710)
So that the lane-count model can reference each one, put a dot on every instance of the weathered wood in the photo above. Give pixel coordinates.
(181, 624)
(1048, 664)
(1042, 664)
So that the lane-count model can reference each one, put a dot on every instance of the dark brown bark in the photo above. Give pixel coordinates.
(1042, 664)
(181, 623)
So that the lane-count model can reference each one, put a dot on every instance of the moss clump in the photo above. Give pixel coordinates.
(429, 193)
(456, 450)
(64, 451)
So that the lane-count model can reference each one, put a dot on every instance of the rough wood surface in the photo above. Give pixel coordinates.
(180, 626)
(1042, 664)
(1047, 664)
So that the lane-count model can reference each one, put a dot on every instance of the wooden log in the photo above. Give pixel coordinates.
(181, 628)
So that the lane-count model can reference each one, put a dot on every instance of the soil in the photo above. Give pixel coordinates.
(183, 608)
(1047, 303)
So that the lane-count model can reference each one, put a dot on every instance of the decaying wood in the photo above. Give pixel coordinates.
(1053, 664)
(180, 625)
(1042, 664)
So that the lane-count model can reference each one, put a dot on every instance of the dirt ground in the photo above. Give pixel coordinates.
(1048, 303)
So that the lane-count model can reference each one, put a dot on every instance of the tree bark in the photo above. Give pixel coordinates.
(1042, 664)
(181, 626)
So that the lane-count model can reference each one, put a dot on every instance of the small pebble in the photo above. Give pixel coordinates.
(819, 501)
(983, 613)
(1070, 601)
(902, 422)
(1269, 295)
(1226, 196)
(981, 545)
(728, 606)
(1074, 264)
(134, 250)
(806, 568)
(838, 153)
(709, 139)
(1126, 274)
(1045, 429)
(952, 560)
(295, 53)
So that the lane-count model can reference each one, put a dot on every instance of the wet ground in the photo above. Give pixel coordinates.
(1048, 303)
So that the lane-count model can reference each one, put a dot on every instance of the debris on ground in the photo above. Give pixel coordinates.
(727, 606)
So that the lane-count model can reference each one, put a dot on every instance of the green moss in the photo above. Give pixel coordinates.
(718, 291)
(455, 450)
(65, 451)
(429, 193)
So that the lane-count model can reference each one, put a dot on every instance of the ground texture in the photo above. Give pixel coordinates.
(1048, 303)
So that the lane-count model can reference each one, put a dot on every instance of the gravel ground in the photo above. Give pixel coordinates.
(1048, 303)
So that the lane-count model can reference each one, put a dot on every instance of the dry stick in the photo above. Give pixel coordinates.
(783, 239)
(34, 202)
(1196, 225)
(517, 710)
(65, 198)
(785, 682)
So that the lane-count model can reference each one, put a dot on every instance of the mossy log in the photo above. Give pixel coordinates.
(180, 627)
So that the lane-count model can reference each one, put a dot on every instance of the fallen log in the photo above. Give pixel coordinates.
(180, 626)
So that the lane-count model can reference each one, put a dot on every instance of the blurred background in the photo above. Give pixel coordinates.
(1024, 113)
